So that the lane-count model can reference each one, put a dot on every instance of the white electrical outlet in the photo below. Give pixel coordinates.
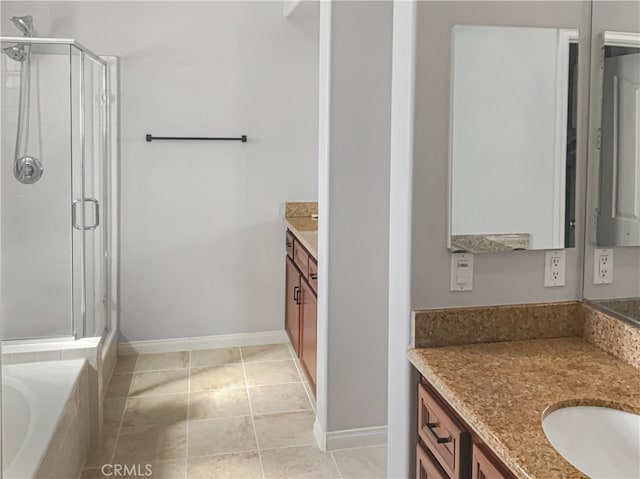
(555, 265)
(461, 272)
(603, 266)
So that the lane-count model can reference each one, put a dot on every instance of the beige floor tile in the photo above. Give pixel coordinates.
(163, 410)
(160, 361)
(151, 444)
(226, 466)
(219, 403)
(227, 376)
(125, 365)
(119, 386)
(215, 357)
(362, 463)
(93, 473)
(266, 352)
(285, 429)
(103, 454)
(220, 436)
(113, 410)
(272, 372)
(306, 462)
(173, 469)
(174, 381)
(278, 398)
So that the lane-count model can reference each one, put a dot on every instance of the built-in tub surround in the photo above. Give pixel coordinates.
(299, 219)
(46, 408)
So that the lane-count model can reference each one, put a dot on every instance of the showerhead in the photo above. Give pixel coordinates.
(25, 24)
(16, 52)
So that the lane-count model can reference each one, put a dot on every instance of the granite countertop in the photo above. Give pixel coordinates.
(502, 389)
(305, 229)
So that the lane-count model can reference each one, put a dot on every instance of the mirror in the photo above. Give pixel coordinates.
(513, 138)
(618, 221)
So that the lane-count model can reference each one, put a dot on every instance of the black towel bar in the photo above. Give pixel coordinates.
(150, 138)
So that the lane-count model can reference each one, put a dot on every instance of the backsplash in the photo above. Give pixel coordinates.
(295, 209)
(612, 335)
(489, 324)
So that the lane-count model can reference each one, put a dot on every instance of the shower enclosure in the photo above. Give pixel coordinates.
(53, 188)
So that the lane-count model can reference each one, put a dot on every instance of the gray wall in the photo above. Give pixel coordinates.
(358, 223)
(202, 234)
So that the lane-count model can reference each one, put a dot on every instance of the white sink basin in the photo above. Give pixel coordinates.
(603, 443)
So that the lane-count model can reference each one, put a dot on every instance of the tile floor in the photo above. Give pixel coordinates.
(221, 413)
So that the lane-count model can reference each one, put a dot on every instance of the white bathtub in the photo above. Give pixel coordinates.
(35, 397)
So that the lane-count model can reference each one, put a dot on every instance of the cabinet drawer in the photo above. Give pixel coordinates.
(427, 467)
(484, 467)
(444, 435)
(301, 258)
(313, 274)
(289, 244)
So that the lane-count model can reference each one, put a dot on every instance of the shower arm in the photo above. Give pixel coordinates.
(55, 41)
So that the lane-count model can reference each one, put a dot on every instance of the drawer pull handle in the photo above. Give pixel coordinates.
(296, 294)
(313, 276)
(289, 244)
(440, 440)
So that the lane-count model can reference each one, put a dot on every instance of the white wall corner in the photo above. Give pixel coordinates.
(320, 435)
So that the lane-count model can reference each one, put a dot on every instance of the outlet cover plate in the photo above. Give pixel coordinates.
(603, 266)
(555, 267)
(462, 272)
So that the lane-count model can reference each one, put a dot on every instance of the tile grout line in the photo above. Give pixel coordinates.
(124, 412)
(253, 421)
(336, 464)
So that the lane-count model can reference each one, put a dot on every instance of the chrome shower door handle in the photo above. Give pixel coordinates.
(74, 214)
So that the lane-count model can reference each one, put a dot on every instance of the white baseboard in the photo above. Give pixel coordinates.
(319, 434)
(201, 342)
(349, 439)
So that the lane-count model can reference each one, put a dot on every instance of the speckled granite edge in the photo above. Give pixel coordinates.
(303, 228)
(612, 335)
(488, 324)
(296, 209)
(491, 243)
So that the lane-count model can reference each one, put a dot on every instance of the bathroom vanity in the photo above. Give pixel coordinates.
(301, 285)
(481, 405)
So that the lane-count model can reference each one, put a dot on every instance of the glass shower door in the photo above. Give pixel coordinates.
(88, 210)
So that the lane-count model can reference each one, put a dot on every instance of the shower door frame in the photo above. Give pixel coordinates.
(80, 330)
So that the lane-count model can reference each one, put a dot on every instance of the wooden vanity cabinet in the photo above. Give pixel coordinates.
(301, 317)
(292, 305)
(446, 441)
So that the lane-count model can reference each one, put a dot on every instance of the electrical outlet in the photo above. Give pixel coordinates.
(555, 265)
(461, 272)
(603, 266)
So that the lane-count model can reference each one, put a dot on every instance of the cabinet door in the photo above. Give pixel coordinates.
(484, 468)
(427, 467)
(309, 345)
(292, 306)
